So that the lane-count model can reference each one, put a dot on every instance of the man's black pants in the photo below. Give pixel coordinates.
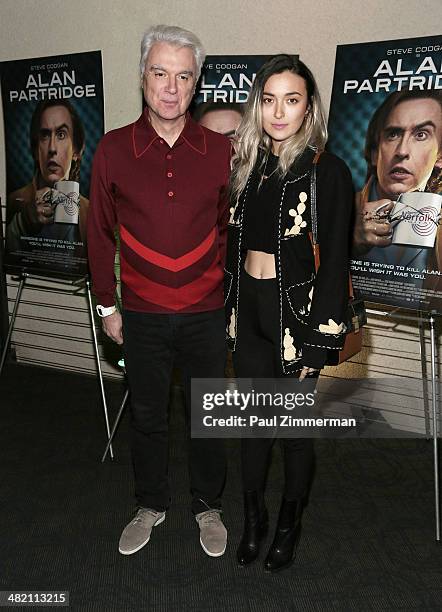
(152, 344)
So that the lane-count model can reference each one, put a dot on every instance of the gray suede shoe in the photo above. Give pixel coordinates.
(213, 534)
(137, 533)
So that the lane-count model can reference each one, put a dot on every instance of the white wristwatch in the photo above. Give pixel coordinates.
(104, 311)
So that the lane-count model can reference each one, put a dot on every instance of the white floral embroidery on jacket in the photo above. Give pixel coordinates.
(289, 348)
(231, 328)
(332, 328)
(297, 213)
(232, 221)
(305, 310)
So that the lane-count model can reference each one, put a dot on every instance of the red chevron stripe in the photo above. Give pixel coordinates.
(164, 261)
(170, 297)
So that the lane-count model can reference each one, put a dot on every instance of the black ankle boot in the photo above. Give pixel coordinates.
(256, 522)
(288, 531)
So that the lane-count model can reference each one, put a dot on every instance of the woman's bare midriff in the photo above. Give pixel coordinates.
(260, 265)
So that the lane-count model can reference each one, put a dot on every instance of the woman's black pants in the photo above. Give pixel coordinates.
(258, 355)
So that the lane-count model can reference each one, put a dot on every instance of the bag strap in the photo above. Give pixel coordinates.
(313, 211)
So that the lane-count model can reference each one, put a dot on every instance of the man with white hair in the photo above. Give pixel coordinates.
(163, 182)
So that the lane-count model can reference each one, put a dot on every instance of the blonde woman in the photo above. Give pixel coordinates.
(283, 316)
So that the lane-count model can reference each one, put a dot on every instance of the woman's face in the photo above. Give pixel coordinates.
(284, 107)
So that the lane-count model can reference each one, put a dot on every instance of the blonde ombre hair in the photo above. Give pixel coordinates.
(251, 137)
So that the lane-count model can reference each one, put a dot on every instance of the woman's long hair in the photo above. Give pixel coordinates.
(251, 137)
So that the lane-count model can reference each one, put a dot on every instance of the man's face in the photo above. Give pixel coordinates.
(409, 147)
(222, 121)
(55, 145)
(169, 81)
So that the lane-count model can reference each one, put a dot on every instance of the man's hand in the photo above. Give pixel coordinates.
(372, 226)
(41, 212)
(305, 371)
(44, 209)
(113, 327)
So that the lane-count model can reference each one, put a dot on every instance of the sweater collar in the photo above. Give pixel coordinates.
(144, 135)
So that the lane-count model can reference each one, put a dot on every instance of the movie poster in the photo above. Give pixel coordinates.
(53, 115)
(228, 78)
(223, 89)
(386, 123)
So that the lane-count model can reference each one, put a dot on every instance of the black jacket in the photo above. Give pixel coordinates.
(312, 307)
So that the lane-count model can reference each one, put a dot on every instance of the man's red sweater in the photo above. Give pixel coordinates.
(170, 205)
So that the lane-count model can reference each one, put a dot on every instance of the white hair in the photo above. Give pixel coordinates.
(173, 35)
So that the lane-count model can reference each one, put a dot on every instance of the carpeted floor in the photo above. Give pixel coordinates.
(368, 539)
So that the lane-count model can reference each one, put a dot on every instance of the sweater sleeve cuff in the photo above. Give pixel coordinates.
(105, 299)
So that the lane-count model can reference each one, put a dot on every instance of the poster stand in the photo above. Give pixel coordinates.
(78, 283)
(4, 321)
(119, 414)
(431, 319)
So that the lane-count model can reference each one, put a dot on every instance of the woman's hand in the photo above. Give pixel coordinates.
(306, 371)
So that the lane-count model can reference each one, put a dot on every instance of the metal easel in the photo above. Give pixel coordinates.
(78, 283)
(118, 417)
(430, 318)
